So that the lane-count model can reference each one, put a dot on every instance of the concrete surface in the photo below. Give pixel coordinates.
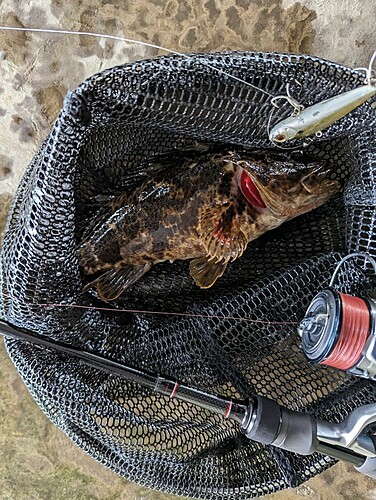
(36, 460)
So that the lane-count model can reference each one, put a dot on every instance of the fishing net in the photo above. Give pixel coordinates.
(104, 141)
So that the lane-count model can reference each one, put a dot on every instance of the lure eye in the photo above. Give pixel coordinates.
(280, 138)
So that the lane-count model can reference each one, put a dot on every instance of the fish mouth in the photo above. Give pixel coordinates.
(250, 191)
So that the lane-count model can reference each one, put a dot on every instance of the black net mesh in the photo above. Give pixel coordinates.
(108, 130)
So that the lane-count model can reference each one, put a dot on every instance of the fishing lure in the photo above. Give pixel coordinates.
(314, 119)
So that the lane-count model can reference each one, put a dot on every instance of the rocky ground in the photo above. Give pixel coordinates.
(37, 461)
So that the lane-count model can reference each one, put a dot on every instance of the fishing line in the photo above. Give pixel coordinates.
(297, 107)
(355, 322)
(167, 313)
(274, 100)
(137, 42)
(162, 313)
(369, 80)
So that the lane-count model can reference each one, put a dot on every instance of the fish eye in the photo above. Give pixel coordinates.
(280, 137)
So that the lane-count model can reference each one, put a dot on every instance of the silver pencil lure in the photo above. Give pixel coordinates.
(314, 119)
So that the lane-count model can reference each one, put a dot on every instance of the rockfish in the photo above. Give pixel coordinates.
(206, 208)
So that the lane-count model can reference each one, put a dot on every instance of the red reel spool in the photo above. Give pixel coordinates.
(338, 330)
(353, 335)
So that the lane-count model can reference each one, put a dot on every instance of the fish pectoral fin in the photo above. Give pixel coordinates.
(221, 234)
(111, 284)
(205, 271)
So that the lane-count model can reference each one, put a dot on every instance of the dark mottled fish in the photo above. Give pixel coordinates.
(207, 208)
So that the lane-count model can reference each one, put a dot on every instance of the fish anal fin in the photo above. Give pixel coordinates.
(206, 271)
(111, 284)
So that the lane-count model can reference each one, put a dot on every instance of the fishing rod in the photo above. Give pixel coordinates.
(259, 418)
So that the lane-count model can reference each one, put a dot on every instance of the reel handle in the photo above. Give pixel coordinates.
(368, 467)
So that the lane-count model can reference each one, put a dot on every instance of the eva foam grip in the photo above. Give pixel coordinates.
(277, 426)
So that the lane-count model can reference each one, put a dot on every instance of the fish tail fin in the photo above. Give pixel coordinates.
(111, 284)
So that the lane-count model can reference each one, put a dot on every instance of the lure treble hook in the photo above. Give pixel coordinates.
(297, 107)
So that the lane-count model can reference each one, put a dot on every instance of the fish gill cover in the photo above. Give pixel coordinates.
(103, 142)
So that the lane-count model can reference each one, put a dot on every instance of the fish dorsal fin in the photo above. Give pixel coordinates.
(221, 233)
(111, 284)
(205, 272)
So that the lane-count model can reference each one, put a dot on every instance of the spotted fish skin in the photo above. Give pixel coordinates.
(206, 208)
